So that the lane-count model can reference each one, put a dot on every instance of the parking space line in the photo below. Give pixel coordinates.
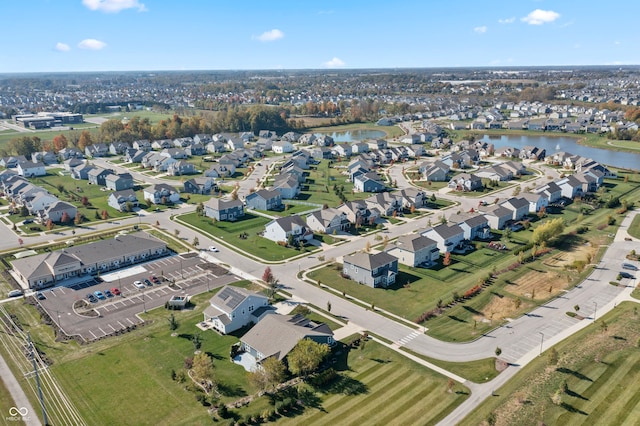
(112, 327)
(103, 332)
(131, 322)
(121, 324)
(94, 336)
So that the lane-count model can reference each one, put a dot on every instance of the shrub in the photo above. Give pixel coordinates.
(571, 314)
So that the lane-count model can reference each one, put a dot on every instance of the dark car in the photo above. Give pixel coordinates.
(40, 296)
(148, 283)
(108, 293)
(91, 298)
(625, 275)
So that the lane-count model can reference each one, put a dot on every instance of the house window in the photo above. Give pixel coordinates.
(251, 308)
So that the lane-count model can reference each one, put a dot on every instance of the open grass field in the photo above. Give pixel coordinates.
(634, 228)
(601, 368)
(6, 401)
(392, 390)
(254, 244)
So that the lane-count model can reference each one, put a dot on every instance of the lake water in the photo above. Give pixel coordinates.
(626, 160)
(357, 135)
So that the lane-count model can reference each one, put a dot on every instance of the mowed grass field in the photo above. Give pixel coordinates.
(397, 391)
(601, 368)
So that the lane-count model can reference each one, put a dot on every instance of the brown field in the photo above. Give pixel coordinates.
(500, 308)
(540, 283)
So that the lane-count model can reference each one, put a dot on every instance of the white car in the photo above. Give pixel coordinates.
(213, 249)
(139, 284)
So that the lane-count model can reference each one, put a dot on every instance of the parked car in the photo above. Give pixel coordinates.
(138, 284)
(108, 293)
(625, 275)
(40, 296)
(629, 266)
(91, 298)
(154, 279)
(115, 291)
(27, 221)
(213, 249)
(148, 283)
(15, 293)
(99, 294)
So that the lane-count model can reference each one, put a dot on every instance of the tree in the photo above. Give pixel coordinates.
(576, 308)
(173, 323)
(200, 209)
(65, 217)
(450, 384)
(498, 351)
(367, 246)
(195, 242)
(271, 373)
(548, 231)
(552, 357)
(24, 211)
(84, 140)
(267, 275)
(447, 259)
(306, 357)
(84, 201)
(202, 368)
(50, 225)
(78, 219)
(60, 142)
(128, 206)
(197, 341)
(105, 215)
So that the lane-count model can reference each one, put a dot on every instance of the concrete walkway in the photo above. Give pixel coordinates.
(20, 399)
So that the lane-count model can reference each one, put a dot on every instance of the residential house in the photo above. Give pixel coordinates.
(358, 212)
(530, 152)
(45, 157)
(570, 186)
(161, 193)
(162, 144)
(142, 145)
(447, 237)
(377, 144)
(411, 197)
(536, 201)
(322, 153)
(507, 151)
(328, 221)
(359, 148)
(226, 210)
(497, 215)
(277, 335)
(119, 148)
(473, 225)
(264, 199)
(235, 143)
(12, 162)
(134, 155)
(6, 174)
(220, 171)
(195, 149)
(40, 201)
(82, 171)
(69, 164)
(97, 150)
(373, 270)
(296, 171)
(415, 250)
(216, 147)
(180, 168)
(234, 307)
(56, 211)
(200, 185)
(386, 202)
(31, 169)
(70, 152)
(368, 182)
(495, 173)
(119, 182)
(291, 137)
(550, 190)
(435, 172)
(282, 229)
(465, 182)
(288, 185)
(98, 176)
(175, 153)
(342, 150)
(119, 199)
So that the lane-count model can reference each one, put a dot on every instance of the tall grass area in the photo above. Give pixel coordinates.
(600, 366)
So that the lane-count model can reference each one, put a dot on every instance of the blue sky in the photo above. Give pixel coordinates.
(114, 35)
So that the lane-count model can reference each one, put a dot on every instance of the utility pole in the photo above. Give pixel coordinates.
(35, 371)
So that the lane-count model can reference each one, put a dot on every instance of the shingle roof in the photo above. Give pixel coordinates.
(369, 261)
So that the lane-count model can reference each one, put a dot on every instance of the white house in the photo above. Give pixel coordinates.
(31, 169)
(282, 147)
(233, 308)
(415, 250)
(279, 230)
(160, 192)
(447, 237)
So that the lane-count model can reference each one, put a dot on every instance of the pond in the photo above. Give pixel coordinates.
(625, 160)
(355, 135)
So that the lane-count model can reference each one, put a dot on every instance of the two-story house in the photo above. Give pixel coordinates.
(264, 199)
(122, 200)
(328, 221)
(233, 308)
(227, 210)
(415, 250)
(373, 270)
(289, 227)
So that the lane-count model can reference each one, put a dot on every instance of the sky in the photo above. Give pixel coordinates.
(131, 35)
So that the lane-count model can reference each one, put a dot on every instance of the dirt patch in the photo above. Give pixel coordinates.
(497, 309)
(539, 284)
(562, 259)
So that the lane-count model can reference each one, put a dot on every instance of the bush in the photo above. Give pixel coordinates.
(571, 314)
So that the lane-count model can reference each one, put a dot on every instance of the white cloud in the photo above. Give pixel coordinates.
(480, 30)
(617, 43)
(539, 17)
(272, 35)
(114, 6)
(334, 63)
(62, 47)
(92, 44)
(507, 20)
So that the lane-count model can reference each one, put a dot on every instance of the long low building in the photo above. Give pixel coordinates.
(47, 269)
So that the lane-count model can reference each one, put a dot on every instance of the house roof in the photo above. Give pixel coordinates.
(264, 194)
(516, 202)
(60, 206)
(288, 223)
(414, 242)
(369, 261)
(222, 204)
(229, 298)
(446, 231)
(276, 335)
(126, 193)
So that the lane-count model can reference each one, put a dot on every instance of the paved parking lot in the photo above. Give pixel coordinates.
(179, 275)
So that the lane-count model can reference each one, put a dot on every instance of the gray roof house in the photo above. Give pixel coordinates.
(473, 225)
(446, 236)
(45, 157)
(55, 211)
(264, 199)
(233, 308)
(411, 197)
(368, 182)
(119, 199)
(373, 270)
(180, 168)
(277, 335)
(82, 171)
(415, 250)
(497, 215)
(98, 176)
(283, 228)
(200, 185)
(519, 206)
(328, 221)
(220, 209)
(119, 182)
(551, 190)
(161, 193)
(30, 169)
(465, 182)
(288, 185)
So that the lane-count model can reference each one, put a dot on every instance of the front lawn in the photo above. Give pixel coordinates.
(243, 235)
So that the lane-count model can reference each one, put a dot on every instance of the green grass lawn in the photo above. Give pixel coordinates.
(6, 401)
(634, 228)
(480, 371)
(254, 244)
(390, 390)
(600, 367)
